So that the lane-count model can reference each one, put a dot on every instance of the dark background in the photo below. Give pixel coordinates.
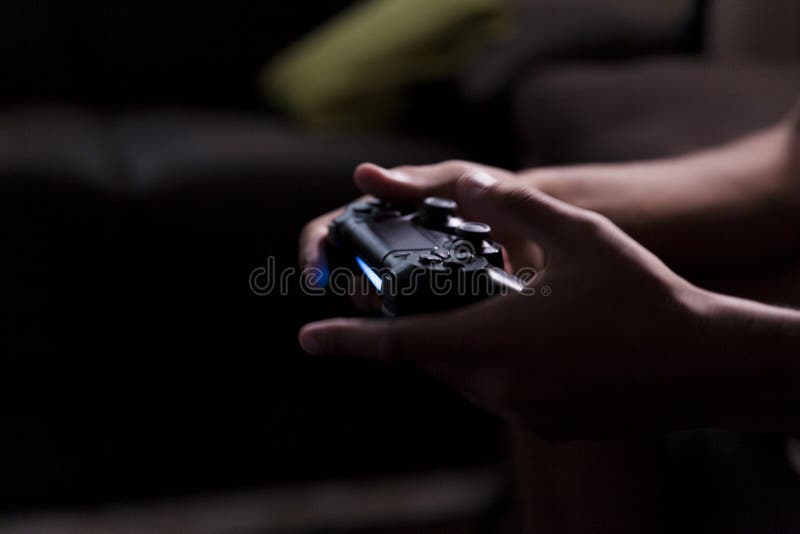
(142, 179)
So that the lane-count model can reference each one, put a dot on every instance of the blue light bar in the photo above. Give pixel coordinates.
(372, 276)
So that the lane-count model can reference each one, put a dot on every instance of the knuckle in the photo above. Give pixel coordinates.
(458, 167)
(314, 231)
(320, 223)
(593, 223)
(589, 223)
(598, 219)
(308, 229)
(466, 177)
(521, 194)
(455, 163)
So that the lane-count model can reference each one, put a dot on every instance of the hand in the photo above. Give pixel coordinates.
(406, 183)
(613, 348)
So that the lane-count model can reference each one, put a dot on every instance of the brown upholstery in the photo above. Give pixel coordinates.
(645, 109)
(135, 359)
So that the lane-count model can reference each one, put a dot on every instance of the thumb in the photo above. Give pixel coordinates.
(383, 183)
(409, 182)
(514, 208)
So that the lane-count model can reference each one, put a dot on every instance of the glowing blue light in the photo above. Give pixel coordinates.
(372, 276)
(324, 275)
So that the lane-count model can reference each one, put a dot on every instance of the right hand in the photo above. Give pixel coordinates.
(620, 344)
(405, 183)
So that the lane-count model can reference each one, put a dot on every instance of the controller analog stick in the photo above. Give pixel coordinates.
(436, 211)
(474, 232)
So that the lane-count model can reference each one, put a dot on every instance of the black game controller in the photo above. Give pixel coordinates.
(419, 260)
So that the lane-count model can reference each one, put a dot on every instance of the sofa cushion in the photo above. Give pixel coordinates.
(570, 29)
(59, 143)
(137, 360)
(146, 51)
(646, 109)
(139, 197)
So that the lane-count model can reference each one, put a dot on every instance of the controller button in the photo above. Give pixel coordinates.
(454, 264)
(429, 259)
(383, 215)
(380, 204)
(362, 208)
(435, 210)
(439, 203)
(474, 232)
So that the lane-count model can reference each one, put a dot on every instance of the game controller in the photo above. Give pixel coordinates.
(419, 259)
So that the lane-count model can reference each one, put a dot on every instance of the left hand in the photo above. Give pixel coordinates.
(615, 347)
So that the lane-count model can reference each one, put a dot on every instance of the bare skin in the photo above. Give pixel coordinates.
(731, 200)
(728, 206)
(737, 204)
(642, 348)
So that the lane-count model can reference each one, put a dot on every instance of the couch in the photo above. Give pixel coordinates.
(143, 180)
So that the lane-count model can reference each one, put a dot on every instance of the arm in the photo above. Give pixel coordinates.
(714, 212)
(733, 204)
(619, 345)
(761, 348)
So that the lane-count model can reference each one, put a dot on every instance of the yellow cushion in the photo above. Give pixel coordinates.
(352, 72)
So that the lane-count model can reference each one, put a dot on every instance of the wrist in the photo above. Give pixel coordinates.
(793, 163)
(636, 196)
(744, 361)
(608, 189)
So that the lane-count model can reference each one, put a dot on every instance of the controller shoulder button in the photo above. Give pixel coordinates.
(361, 207)
(430, 259)
(454, 264)
(390, 214)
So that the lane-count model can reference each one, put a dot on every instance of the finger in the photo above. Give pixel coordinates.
(311, 249)
(312, 241)
(366, 338)
(400, 183)
(413, 182)
(519, 253)
(421, 339)
(516, 209)
(452, 356)
(366, 298)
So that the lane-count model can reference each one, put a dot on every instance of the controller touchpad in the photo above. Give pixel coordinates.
(397, 234)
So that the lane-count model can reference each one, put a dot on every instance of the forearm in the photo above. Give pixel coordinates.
(735, 203)
(751, 355)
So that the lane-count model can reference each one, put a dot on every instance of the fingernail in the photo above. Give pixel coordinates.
(310, 343)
